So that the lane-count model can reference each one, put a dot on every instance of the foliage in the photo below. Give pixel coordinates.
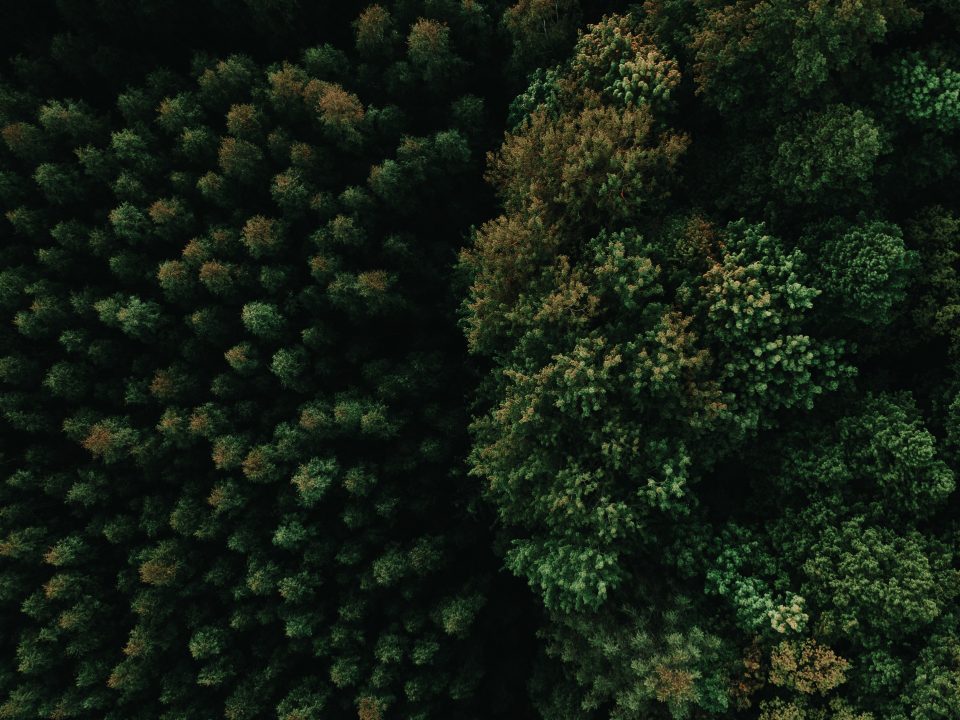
(699, 306)
(689, 450)
(236, 468)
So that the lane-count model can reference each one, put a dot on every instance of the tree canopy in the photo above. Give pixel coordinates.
(447, 358)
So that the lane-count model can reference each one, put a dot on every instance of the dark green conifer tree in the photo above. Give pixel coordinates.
(233, 422)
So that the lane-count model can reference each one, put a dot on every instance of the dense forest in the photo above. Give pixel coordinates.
(480, 359)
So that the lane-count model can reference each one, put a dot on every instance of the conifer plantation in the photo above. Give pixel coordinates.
(480, 359)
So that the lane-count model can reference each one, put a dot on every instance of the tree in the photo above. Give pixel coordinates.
(234, 416)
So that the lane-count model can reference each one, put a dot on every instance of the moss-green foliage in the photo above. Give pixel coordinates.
(542, 31)
(927, 92)
(231, 456)
(692, 451)
(748, 51)
(866, 269)
(826, 157)
(935, 234)
(724, 362)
